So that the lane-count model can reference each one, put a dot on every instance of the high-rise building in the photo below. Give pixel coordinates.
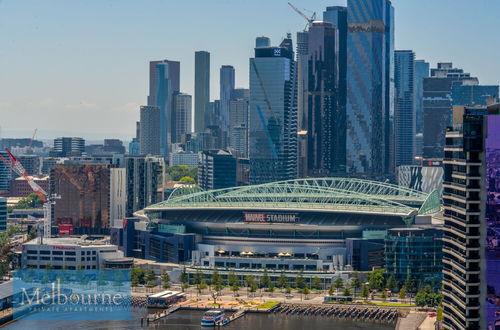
(226, 90)
(302, 99)
(3, 214)
(113, 146)
(325, 120)
(117, 196)
(31, 163)
(473, 95)
(216, 169)
(262, 42)
(273, 114)
(404, 107)
(201, 88)
(150, 131)
(238, 126)
(154, 80)
(471, 262)
(68, 147)
(182, 118)
(370, 69)
(144, 177)
(421, 71)
(166, 85)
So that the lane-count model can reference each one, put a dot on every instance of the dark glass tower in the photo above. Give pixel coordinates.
(273, 114)
(370, 42)
(201, 88)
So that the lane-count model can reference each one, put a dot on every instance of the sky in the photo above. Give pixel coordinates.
(80, 67)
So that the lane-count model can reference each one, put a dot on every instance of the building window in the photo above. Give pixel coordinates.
(44, 258)
(44, 252)
(70, 259)
(32, 252)
(57, 258)
(59, 253)
(70, 253)
(32, 258)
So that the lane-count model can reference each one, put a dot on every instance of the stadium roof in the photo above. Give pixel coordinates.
(328, 194)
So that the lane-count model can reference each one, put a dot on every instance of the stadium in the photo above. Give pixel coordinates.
(321, 224)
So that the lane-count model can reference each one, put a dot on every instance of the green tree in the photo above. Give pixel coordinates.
(338, 284)
(305, 291)
(288, 289)
(347, 291)
(176, 173)
(316, 283)
(138, 276)
(376, 279)
(250, 283)
(31, 201)
(282, 280)
(300, 282)
(402, 293)
(150, 278)
(331, 289)
(187, 179)
(202, 285)
(365, 292)
(216, 281)
(165, 280)
(383, 295)
(265, 280)
(355, 283)
(392, 284)
(409, 284)
(234, 282)
(198, 277)
(184, 279)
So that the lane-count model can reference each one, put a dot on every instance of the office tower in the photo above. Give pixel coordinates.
(85, 197)
(226, 89)
(404, 107)
(201, 88)
(471, 280)
(438, 107)
(113, 146)
(5, 173)
(31, 163)
(273, 115)
(117, 197)
(182, 117)
(421, 71)
(325, 122)
(150, 131)
(144, 177)
(183, 158)
(216, 169)
(302, 109)
(370, 43)
(238, 126)
(174, 69)
(473, 95)
(262, 42)
(68, 147)
(3, 214)
(166, 86)
(240, 93)
(212, 112)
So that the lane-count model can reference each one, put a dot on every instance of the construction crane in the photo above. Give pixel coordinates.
(309, 20)
(14, 164)
(29, 150)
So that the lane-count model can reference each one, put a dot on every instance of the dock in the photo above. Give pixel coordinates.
(231, 318)
(160, 315)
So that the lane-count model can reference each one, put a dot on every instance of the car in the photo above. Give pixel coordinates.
(432, 314)
(289, 296)
(393, 300)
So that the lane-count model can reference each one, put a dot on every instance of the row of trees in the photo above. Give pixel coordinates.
(182, 173)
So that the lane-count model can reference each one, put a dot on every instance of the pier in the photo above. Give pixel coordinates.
(231, 318)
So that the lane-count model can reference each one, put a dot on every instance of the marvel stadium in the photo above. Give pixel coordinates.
(322, 224)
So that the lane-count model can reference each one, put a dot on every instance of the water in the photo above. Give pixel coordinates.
(181, 320)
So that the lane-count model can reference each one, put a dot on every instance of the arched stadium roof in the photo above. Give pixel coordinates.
(329, 194)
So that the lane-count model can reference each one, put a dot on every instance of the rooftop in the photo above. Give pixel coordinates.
(71, 241)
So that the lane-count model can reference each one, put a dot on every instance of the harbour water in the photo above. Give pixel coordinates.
(191, 320)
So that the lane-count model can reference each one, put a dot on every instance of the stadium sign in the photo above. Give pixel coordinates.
(261, 217)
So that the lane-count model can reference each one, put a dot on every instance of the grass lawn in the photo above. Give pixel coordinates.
(267, 305)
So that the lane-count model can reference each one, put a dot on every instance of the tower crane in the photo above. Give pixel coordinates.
(17, 167)
(309, 20)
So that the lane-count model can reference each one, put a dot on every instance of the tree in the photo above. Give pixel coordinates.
(347, 291)
(365, 293)
(376, 279)
(409, 284)
(250, 283)
(265, 280)
(138, 276)
(202, 285)
(338, 284)
(300, 282)
(187, 179)
(288, 289)
(355, 283)
(426, 297)
(198, 277)
(150, 278)
(165, 280)
(316, 283)
(282, 280)
(331, 289)
(183, 278)
(176, 173)
(402, 293)
(383, 295)
(216, 281)
(32, 201)
(305, 291)
(392, 284)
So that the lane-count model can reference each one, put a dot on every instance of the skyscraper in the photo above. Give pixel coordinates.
(167, 78)
(473, 95)
(302, 112)
(149, 141)
(404, 114)
(216, 169)
(3, 214)
(471, 262)
(370, 42)
(68, 146)
(238, 121)
(201, 88)
(273, 114)
(182, 117)
(325, 122)
(421, 71)
(226, 89)
(262, 42)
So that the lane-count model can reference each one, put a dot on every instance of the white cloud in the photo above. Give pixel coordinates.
(84, 104)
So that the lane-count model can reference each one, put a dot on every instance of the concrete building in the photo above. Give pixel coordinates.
(201, 89)
(227, 74)
(144, 179)
(216, 169)
(68, 146)
(5, 174)
(471, 282)
(117, 196)
(184, 158)
(273, 114)
(19, 187)
(73, 253)
(238, 121)
(182, 118)
(149, 142)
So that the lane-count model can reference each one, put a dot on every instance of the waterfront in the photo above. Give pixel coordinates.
(191, 320)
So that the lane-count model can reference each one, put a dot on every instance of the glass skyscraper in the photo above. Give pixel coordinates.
(201, 88)
(421, 71)
(226, 89)
(273, 115)
(404, 115)
(370, 45)
(473, 95)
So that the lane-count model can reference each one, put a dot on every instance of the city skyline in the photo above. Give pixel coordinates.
(74, 95)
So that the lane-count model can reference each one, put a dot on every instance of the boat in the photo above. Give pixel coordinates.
(211, 317)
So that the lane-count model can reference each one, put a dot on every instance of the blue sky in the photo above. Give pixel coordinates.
(80, 67)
